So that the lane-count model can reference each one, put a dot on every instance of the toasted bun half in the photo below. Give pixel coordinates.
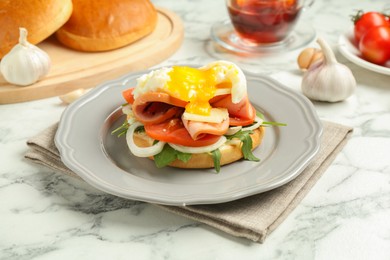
(101, 25)
(40, 18)
(229, 152)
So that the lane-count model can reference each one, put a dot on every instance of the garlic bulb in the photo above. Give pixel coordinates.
(308, 56)
(328, 80)
(25, 64)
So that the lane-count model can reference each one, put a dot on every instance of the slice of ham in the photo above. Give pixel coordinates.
(156, 107)
(240, 114)
(198, 129)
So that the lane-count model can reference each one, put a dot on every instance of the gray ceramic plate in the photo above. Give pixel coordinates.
(87, 147)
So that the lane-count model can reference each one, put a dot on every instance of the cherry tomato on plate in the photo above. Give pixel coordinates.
(366, 21)
(375, 45)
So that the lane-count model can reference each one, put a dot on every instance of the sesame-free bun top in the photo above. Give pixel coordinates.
(40, 18)
(101, 25)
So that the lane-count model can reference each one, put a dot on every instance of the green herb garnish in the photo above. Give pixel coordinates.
(216, 154)
(168, 155)
(259, 114)
(140, 129)
(246, 148)
(274, 123)
(122, 130)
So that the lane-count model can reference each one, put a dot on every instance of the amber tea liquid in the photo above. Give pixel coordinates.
(263, 22)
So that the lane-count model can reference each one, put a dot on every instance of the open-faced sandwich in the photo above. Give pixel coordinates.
(192, 117)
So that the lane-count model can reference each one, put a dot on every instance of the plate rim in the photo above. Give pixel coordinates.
(67, 156)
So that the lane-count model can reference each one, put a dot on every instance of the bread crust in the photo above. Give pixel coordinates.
(101, 25)
(40, 18)
(229, 152)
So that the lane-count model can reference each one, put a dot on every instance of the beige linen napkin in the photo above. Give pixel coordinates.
(252, 217)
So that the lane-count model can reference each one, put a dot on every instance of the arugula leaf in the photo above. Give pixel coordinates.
(259, 114)
(121, 130)
(165, 157)
(140, 129)
(184, 157)
(246, 147)
(216, 154)
(168, 155)
(274, 123)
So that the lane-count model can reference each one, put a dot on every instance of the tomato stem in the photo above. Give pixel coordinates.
(356, 17)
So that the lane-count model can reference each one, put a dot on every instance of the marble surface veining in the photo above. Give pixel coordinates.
(46, 215)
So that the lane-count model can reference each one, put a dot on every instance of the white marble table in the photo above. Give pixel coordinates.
(46, 215)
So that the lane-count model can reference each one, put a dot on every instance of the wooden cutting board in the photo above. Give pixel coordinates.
(71, 70)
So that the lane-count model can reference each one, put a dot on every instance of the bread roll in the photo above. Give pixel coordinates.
(101, 25)
(229, 153)
(40, 18)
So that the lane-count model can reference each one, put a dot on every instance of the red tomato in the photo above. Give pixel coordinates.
(173, 131)
(375, 45)
(242, 121)
(365, 21)
(128, 95)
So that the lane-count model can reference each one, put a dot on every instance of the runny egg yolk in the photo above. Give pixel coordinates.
(195, 86)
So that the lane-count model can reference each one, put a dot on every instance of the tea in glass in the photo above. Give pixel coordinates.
(263, 21)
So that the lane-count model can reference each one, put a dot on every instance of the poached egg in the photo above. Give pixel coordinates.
(197, 86)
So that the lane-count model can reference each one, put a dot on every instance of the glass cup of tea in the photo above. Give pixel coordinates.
(264, 22)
